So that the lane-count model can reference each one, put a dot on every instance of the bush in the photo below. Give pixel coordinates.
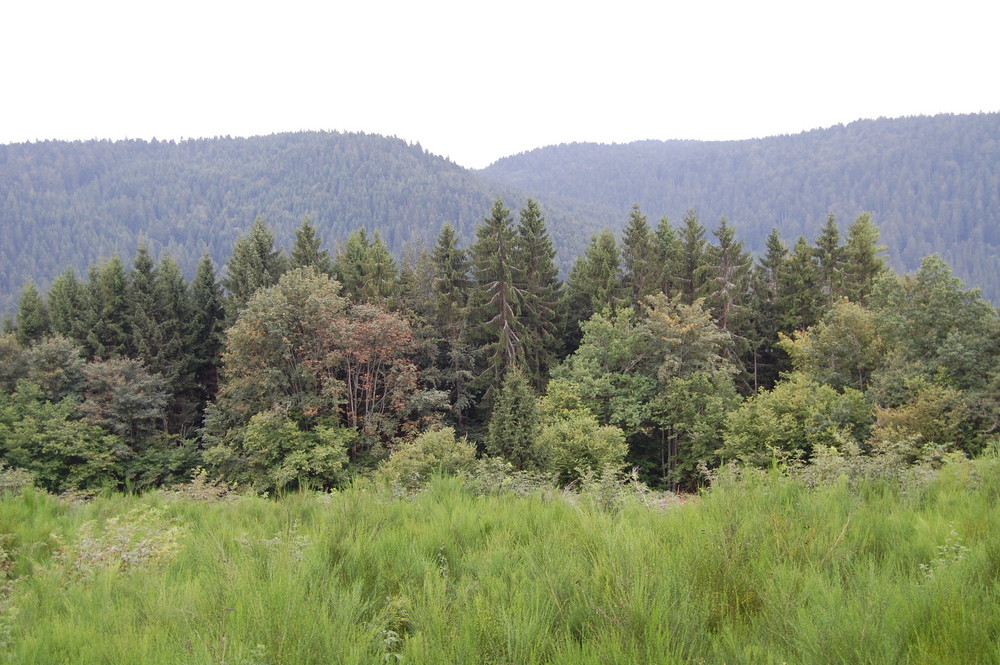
(577, 443)
(437, 451)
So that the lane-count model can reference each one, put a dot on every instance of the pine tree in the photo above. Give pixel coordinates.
(106, 314)
(514, 424)
(494, 308)
(254, 264)
(862, 263)
(208, 321)
(639, 254)
(32, 316)
(829, 256)
(66, 305)
(366, 269)
(691, 277)
(538, 286)
(452, 285)
(668, 255)
(768, 359)
(306, 252)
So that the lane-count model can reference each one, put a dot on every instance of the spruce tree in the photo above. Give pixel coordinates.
(207, 324)
(668, 256)
(254, 264)
(514, 424)
(494, 310)
(862, 263)
(641, 275)
(538, 286)
(829, 257)
(106, 312)
(691, 276)
(174, 359)
(452, 286)
(799, 291)
(144, 326)
(727, 289)
(32, 316)
(306, 252)
(595, 285)
(66, 306)
(769, 360)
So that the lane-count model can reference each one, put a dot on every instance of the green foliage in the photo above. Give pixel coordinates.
(49, 440)
(514, 424)
(275, 454)
(789, 420)
(254, 264)
(125, 399)
(413, 463)
(306, 252)
(574, 442)
(56, 365)
(32, 316)
(844, 350)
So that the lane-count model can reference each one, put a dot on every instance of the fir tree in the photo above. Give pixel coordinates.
(862, 263)
(514, 424)
(254, 264)
(691, 276)
(208, 321)
(66, 305)
(639, 259)
(668, 255)
(829, 257)
(306, 252)
(539, 289)
(32, 316)
(106, 314)
(494, 308)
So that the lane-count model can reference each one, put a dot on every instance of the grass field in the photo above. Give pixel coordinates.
(758, 570)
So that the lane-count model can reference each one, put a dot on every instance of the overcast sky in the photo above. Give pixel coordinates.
(475, 82)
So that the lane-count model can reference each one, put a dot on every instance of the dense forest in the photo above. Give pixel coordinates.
(931, 184)
(669, 350)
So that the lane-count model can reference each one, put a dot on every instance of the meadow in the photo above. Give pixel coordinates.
(761, 568)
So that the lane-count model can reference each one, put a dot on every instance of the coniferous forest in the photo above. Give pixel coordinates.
(668, 449)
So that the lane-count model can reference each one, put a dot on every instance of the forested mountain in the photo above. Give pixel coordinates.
(73, 203)
(932, 185)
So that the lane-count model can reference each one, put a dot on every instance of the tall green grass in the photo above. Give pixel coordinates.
(757, 570)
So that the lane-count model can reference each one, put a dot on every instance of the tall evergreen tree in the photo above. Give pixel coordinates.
(538, 287)
(668, 256)
(862, 263)
(144, 325)
(595, 281)
(66, 305)
(829, 257)
(692, 266)
(106, 313)
(639, 259)
(799, 291)
(366, 269)
(452, 286)
(207, 324)
(306, 252)
(494, 309)
(174, 360)
(32, 316)
(254, 264)
(768, 360)
(727, 288)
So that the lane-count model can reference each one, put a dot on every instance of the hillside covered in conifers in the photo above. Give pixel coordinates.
(931, 184)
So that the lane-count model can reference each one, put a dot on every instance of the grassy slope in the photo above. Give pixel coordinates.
(760, 571)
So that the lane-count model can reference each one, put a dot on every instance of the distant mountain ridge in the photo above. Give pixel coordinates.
(932, 185)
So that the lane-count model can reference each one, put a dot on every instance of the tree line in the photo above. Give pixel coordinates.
(668, 349)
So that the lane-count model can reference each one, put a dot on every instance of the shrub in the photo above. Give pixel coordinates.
(437, 451)
(576, 443)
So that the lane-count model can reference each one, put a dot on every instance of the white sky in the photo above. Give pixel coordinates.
(476, 82)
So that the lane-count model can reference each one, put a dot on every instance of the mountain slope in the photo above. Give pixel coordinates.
(932, 184)
(73, 203)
